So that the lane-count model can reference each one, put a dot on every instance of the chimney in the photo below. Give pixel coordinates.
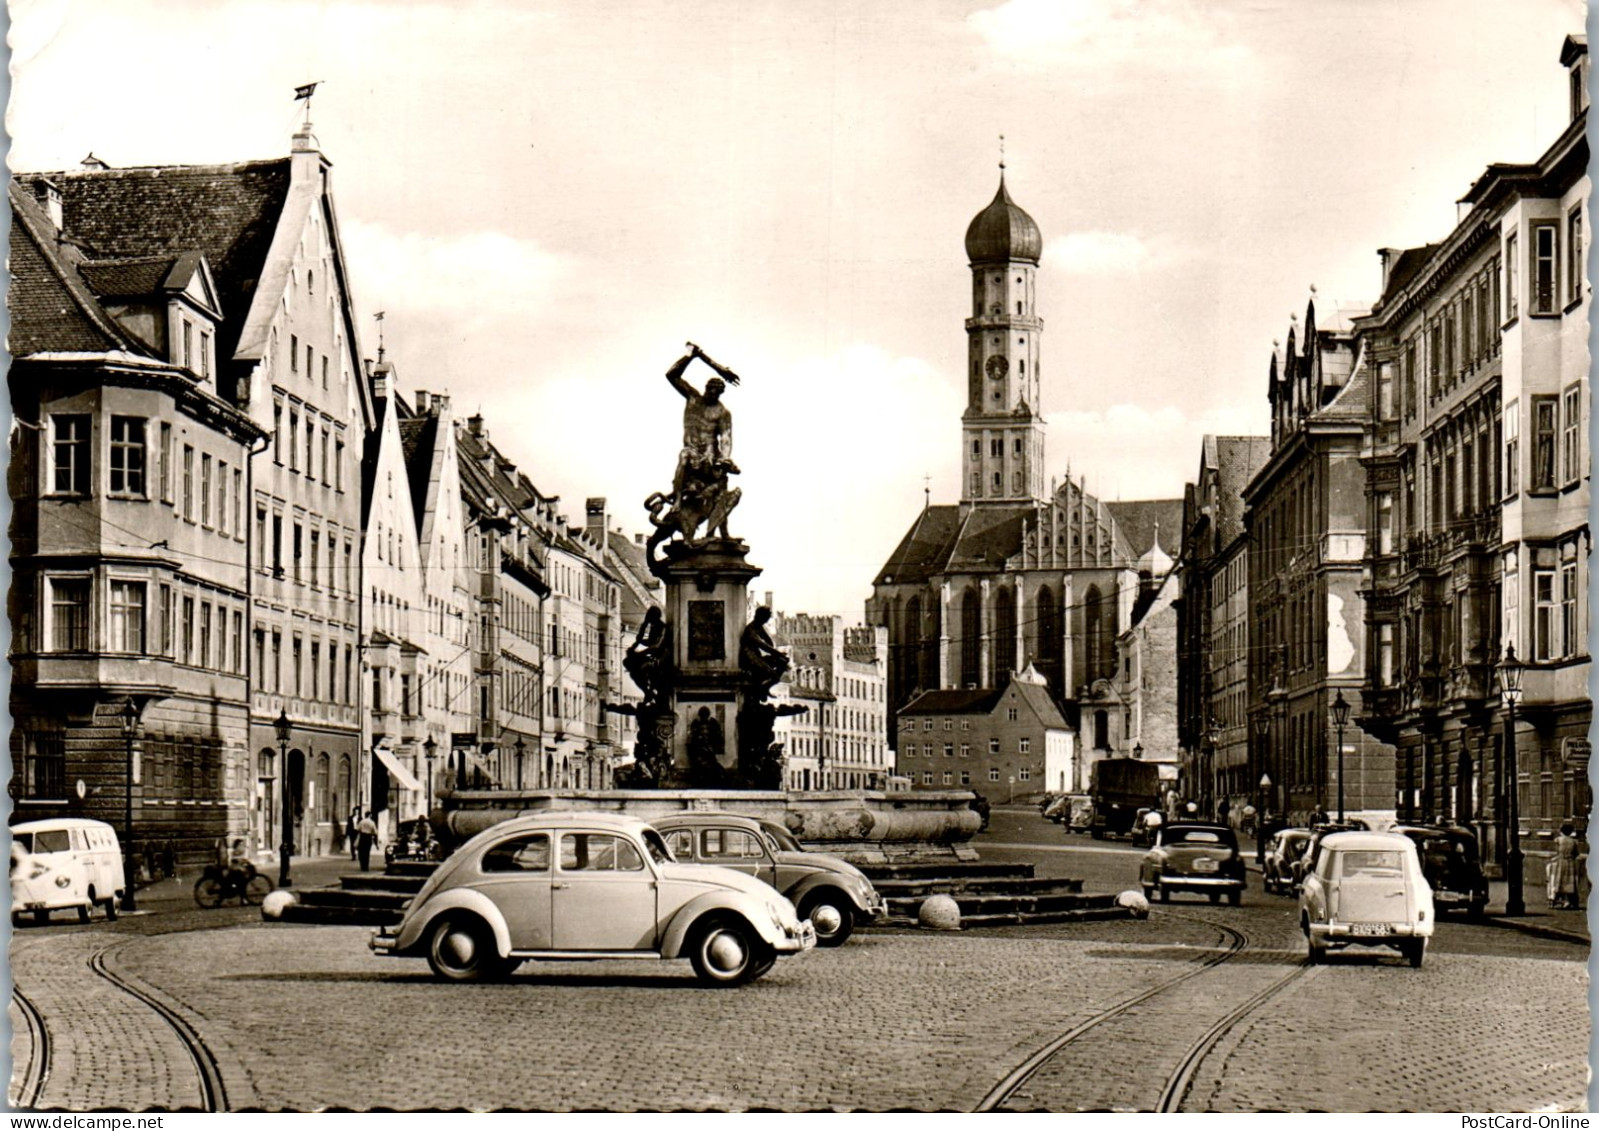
(474, 425)
(1390, 257)
(441, 403)
(597, 523)
(93, 162)
(638, 539)
(48, 194)
(382, 374)
(422, 402)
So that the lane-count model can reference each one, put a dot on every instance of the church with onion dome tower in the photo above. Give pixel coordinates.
(1027, 577)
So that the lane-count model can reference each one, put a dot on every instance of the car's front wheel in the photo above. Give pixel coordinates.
(727, 952)
(461, 949)
(831, 915)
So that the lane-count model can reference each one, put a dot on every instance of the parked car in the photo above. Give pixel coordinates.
(1367, 889)
(1056, 807)
(67, 862)
(1277, 869)
(832, 893)
(590, 886)
(1193, 857)
(1453, 866)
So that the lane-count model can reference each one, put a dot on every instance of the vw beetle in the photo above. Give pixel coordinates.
(832, 893)
(568, 886)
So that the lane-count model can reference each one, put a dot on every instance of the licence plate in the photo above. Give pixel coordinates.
(1204, 864)
(1370, 929)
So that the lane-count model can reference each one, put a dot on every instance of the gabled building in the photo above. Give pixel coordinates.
(1306, 523)
(284, 353)
(130, 690)
(1005, 742)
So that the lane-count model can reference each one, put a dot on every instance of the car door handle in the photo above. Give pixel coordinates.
(559, 886)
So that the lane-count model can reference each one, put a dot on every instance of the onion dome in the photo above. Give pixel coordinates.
(1002, 232)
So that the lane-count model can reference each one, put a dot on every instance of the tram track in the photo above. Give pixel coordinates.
(32, 1075)
(1180, 1079)
(212, 1090)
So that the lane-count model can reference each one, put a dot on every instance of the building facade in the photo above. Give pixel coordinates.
(1005, 743)
(1477, 529)
(1305, 516)
(1221, 756)
(840, 673)
(129, 542)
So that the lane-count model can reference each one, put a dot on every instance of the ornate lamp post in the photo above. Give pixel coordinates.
(1138, 751)
(286, 849)
(428, 749)
(1510, 672)
(1340, 714)
(1260, 821)
(1262, 727)
(130, 728)
(521, 748)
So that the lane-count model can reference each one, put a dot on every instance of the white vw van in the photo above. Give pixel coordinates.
(66, 862)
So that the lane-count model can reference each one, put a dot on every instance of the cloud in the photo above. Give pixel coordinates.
(1106, 33)
(1102, 253)
(1130, 451)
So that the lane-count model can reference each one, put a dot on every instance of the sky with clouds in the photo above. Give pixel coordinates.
(548, 199)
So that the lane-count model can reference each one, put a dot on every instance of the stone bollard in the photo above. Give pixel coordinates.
(272, 906)
(939, 913)
(1135, 903)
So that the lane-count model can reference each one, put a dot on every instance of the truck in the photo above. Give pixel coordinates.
(1120, 789)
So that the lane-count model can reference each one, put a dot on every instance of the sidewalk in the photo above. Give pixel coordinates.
(1539, 919)
(177, 893)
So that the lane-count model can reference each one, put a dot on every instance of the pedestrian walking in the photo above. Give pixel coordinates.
(1563, 870)
(366, 833)
(350, 830)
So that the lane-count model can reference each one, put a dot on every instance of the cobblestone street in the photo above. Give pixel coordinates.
(305, 1017)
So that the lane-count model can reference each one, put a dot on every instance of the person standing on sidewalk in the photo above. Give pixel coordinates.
(1563, 870)
(366, 833)
(351, 833)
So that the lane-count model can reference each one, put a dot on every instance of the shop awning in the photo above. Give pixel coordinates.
(397, 771)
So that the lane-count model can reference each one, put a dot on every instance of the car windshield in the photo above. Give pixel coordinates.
(1377, 863)
(48, 840)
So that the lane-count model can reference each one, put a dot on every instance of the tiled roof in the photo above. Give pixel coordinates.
(418, 437)
(1237, 460)
(1408, 266)
(226, 212)
(925, 548)
(989, 537)
(1138, 520)
(51, 309)
(128, 278)
(953, 701)
(1042, 703)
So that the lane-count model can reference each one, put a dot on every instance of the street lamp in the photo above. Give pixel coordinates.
(1138, 751)
(130, 727)
(1340, 713)
(1260, 821)
(428, 748)
(521, 748)
(285, 729)
(1510, 672)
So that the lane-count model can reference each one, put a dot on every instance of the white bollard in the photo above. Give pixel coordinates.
(939, 913)
(272, 906)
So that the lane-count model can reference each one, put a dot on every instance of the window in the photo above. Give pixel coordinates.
(949, 750)
(166, 463)
(1024, 746)
(324, 372)
(977, 450)
(927, 778)
(338, 465)
(297, 658)
(222, 496)
(966, 750)
(203, 657)
(316, 672)
(1571, 436)
(1545, 267)
(299, 536)
(966, 777)
(163, 626)
(1512, 441)
(1543, 444)
(1569, 644)
(205, 354)
(1385, 655)
(949, 724)
(1011, 714)
(69, 614)
(1512, 282)
(238, 641)
(186, 655)
(1024, 774)
(294, 440)
(326, 430)
(996, 448)
(1410, 377)
(127, 455)
(927, 724)
(205, 489)
(1385, 523)
(294, 353)
(310, 446)
(70, 454)
(238, 503)
(316, 542)
(188, 345)
(1385, 391)
(277, 545)
(993, 746)
(949, 777)
(993, 773)
(1574, 255)
(127, 616)
(308, 359)
(598, 852)
(188, 482)
(1435, 354)
(1545, 615)
(529, 853)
